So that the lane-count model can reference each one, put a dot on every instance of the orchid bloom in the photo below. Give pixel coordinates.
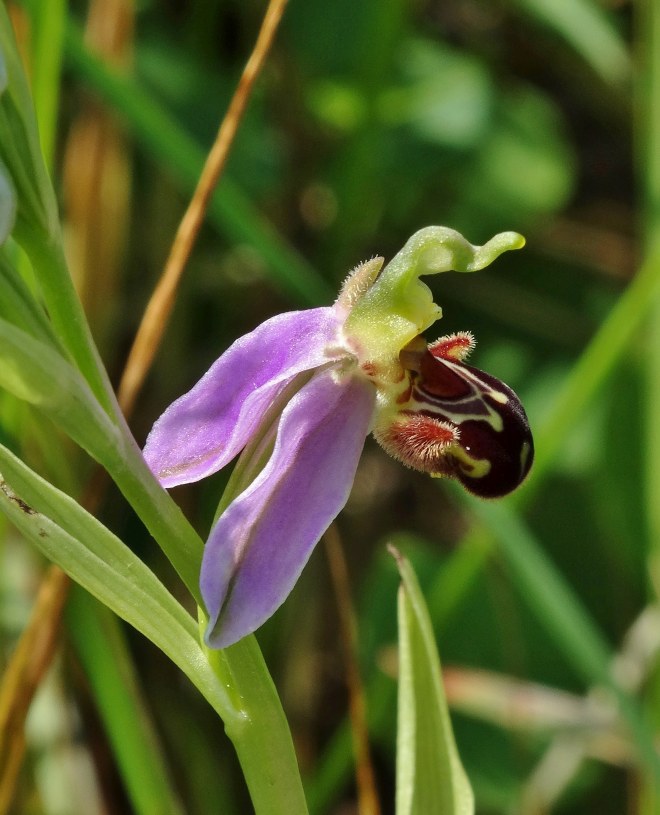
(303, 390)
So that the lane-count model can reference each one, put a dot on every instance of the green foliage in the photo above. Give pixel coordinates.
(372, 120)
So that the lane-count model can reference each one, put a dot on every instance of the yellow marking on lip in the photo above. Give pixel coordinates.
(524, 455)
(492, 418)
(472, 467)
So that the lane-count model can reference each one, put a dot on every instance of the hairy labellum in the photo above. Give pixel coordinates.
(458, 421)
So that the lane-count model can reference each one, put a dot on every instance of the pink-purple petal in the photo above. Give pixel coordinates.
(207, 427)
(261, 543)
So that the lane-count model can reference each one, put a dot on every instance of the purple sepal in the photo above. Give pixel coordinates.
(208, 426)
(261, 543)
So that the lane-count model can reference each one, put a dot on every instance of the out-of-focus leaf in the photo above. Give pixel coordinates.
(430, 777)
(564, 616)
(524, 165)
(448, 98)
(584, 24)
(338, 105)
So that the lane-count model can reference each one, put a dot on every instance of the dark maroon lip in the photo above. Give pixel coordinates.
(448, 390)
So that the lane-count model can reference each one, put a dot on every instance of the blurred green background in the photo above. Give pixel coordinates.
(371, 120)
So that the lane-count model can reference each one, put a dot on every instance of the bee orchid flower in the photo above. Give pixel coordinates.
(302, 392)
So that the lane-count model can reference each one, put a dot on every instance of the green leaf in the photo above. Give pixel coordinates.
(37, 226)
(40, 375)
(20, 150)
(430, 779)
(18, 306)
(588, 29)
(102, 648)
(100, 562)
(35, 372)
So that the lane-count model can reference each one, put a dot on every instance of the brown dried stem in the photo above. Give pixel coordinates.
(27, 667)
(160, 305)
(368, 802)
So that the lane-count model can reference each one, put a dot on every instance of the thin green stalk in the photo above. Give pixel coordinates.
(261, 736)
(157, 510)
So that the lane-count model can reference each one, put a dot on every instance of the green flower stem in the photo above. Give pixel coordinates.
(261, 734)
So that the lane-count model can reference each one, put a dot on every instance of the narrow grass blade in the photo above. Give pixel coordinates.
(586, 27)
(430, 778)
